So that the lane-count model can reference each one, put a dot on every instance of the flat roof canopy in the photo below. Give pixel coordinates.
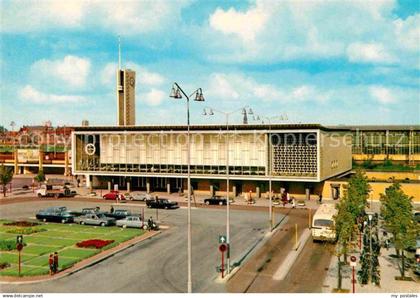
(216, 127)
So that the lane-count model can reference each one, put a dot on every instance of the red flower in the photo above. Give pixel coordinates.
(94, 243)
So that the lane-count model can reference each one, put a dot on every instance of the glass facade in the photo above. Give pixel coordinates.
(386, 142)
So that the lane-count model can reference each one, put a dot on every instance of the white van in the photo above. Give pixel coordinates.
(323, 223)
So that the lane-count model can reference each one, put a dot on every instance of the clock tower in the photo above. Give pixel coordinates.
(126, 94)
(126, 97)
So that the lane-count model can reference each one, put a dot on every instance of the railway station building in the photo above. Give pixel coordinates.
(297, 157)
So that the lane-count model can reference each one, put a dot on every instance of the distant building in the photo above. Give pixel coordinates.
(377, 143)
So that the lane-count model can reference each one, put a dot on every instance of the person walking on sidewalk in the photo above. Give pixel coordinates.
(55, 262)
(51, 264)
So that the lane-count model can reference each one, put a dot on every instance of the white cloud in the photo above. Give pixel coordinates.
(220, 86)
(408, 32)
(270, 31)
(246, 24)
(122, 17)
(240, 87)
(71, 71)
(382, 94)
(368, 52)
(154, 97)
(30, 94)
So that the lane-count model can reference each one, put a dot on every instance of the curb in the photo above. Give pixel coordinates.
(257, 246)
(72, 270)
(291, 257)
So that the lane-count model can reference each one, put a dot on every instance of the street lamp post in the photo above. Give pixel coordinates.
(210, 112)
(270, 173)
(177, 93)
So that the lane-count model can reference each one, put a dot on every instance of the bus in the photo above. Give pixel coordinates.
(323, 223)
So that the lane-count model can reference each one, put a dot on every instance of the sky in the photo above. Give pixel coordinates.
(328, 62)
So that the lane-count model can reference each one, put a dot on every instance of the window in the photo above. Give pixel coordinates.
(323, 223)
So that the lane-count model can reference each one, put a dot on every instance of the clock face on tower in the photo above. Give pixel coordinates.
(132, 82)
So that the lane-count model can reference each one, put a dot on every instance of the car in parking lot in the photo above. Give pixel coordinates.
(95, 219)
(113, 195)
(132, 221)
(139, 197)
(55, 214)
(161, 204)
(86, 211)
(118, 214)
(215, 200)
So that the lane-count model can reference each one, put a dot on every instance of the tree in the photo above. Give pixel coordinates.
(349, 210)
(6, 176)
(369, 258)
(396, 210)
(40, 177)
(358, 193)
(344, 228)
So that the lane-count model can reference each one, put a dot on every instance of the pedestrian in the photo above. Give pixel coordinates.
(112, 209)
(320, 198)
(55, 263)
(293, 202)
(288, 197)
(51, 264)
(150, 223)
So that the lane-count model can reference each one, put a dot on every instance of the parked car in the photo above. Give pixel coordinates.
(161, 204)
(215, 200)
(55, 214)
(86, 211)
(132, 221)
(140, 197)
(113, 196)
(118, 214)
(95, 219)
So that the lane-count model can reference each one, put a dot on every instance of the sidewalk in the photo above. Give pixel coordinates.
(388, 271)
(199, 198)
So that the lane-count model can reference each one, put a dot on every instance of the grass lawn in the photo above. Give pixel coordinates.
(61, 238)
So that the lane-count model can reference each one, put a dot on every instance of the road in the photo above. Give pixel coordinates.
(158, 264)
(305, 276)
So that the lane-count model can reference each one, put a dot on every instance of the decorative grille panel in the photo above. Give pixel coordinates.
(296, 156)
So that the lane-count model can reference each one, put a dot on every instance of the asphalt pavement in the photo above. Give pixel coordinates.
(158, 264)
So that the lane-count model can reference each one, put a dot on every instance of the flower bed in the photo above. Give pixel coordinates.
(94, 243)
(25, 231)
(22, 223)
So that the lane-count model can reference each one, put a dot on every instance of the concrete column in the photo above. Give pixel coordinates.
(41, 160)
(109, 185)
(66, 163)
(168, 188)
(26, 170)
(234, 191)
(307, 193)
(128, 186)
(16, 162)
(211, 190)
(258, 193)
(88, 183)
(147, 185)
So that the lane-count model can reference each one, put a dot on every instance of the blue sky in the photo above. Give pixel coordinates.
(328, 62)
